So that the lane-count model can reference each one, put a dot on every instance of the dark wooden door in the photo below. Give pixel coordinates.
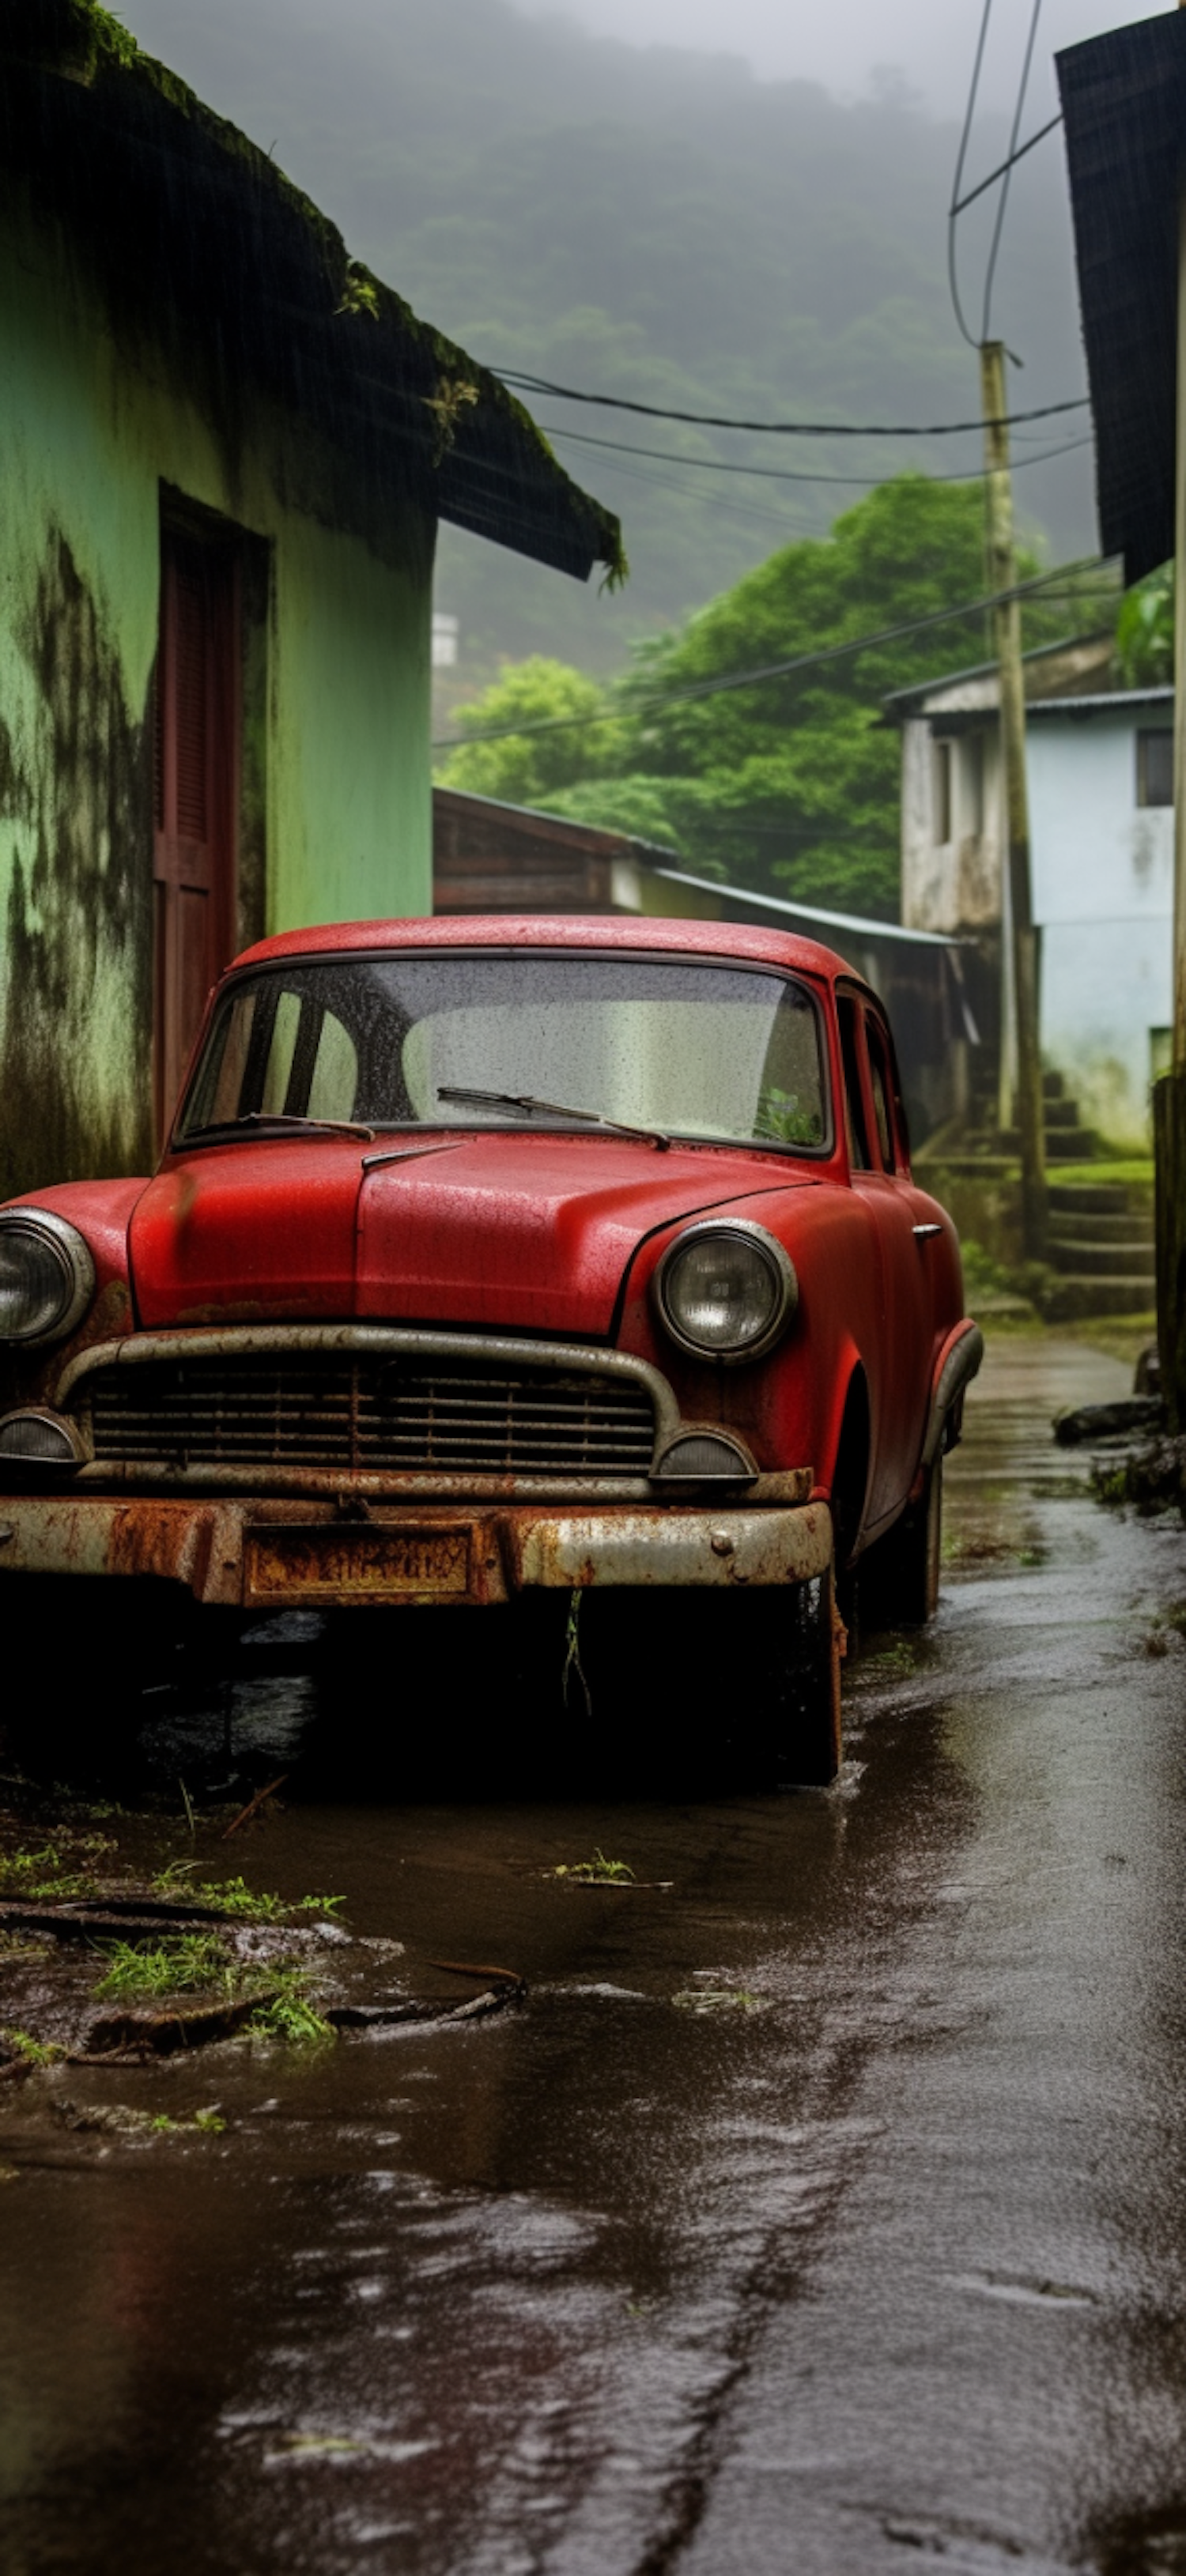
(196, 798)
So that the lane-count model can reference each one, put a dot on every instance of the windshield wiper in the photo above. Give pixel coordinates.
(278, 1118)
(552, 1109)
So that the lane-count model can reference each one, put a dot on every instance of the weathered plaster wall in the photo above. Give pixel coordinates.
(952, 885)
(1103, 892)
(88, 433)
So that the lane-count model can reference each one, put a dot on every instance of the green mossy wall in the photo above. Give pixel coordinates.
(337, 751)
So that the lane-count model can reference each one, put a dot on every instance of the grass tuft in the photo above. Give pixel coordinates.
(36, 2052)
(234, 1896)
(187, 1963)
(291, 2017)
(598, 1872)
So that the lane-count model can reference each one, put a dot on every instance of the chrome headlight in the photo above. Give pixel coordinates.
(726, 1291)
(47, 1276)
(41, 1439)
(692, 1458)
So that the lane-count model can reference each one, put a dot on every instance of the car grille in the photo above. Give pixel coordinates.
(349, 1414)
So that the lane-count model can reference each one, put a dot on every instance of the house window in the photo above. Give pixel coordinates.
(445, 632)
(943, 764)
(197, 792)
(1155, 766)
(973, 784)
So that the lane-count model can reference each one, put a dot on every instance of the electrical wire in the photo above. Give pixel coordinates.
(1003, 167)
(730, 680)
(784, 428)
(969, 112)
(785, 474)
(1007, 181)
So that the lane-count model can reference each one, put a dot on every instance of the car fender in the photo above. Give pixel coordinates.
(956, 1364)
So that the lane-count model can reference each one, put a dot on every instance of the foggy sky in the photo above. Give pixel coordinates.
(929, 43)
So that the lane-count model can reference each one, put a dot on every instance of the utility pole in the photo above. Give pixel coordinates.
(1002, 576)
(1169, 1095)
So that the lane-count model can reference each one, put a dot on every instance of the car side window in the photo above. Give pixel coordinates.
(333, 1089)
(882, 1091)
(854, 1098)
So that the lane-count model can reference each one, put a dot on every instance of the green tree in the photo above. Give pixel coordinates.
(525, 768)
(1145, 631)
(790, 784)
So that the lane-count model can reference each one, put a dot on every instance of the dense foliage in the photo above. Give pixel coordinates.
(790, 784)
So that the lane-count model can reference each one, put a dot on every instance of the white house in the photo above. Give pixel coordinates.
(1100, 765)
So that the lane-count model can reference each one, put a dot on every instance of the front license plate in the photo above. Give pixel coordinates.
(296, 1562)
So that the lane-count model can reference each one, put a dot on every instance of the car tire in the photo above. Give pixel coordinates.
(898, 1579)
(792, 1738)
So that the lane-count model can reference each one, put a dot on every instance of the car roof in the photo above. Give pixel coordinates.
(741, 939)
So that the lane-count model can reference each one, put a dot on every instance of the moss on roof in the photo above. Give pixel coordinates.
(202, 246)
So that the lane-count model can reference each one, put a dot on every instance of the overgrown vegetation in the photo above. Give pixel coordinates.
(187, 1964)
(792, 785)
(233, 1896)
(52, 1870)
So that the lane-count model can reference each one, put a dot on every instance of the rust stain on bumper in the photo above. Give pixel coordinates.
(277, 1552)
(718, 1549)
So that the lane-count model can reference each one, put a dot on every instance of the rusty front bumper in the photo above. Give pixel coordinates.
(272, 1554)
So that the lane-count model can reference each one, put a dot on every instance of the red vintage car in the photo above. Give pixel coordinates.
(527, 1266)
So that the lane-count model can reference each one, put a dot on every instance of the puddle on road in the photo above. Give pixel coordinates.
(471, 2299)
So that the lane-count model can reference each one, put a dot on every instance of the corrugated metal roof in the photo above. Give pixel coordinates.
(1124, 109)
(1104, 701)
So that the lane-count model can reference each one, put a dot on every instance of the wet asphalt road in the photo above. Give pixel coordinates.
(822, 2212)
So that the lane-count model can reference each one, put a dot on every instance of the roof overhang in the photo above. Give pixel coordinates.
(1124, 113)
(200, 247)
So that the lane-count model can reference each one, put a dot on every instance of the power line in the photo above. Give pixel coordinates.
(783, 428)
(784, 474)
(730, 680)
(1015, 130)
(1003, 167)
(969, 112)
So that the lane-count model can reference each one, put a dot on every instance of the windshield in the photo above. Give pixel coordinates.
(712, 1051)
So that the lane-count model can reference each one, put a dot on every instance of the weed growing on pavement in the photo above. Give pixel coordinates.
(289, 2015)
(200, 1963)
(185, 1964)
(28, 1875)
(233, 1896)
(36, 2052)
(597, 1872)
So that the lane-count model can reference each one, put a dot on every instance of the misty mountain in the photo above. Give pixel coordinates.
(659, 224)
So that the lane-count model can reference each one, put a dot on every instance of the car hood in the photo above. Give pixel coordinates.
(526, 1233)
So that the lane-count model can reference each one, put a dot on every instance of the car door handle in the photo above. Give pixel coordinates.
(922, 1233)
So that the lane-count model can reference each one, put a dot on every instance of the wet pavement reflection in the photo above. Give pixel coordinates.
(821, 2210)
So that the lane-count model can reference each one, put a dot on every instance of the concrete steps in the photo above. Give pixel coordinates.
(1067, 1141)
(1101, 1246)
